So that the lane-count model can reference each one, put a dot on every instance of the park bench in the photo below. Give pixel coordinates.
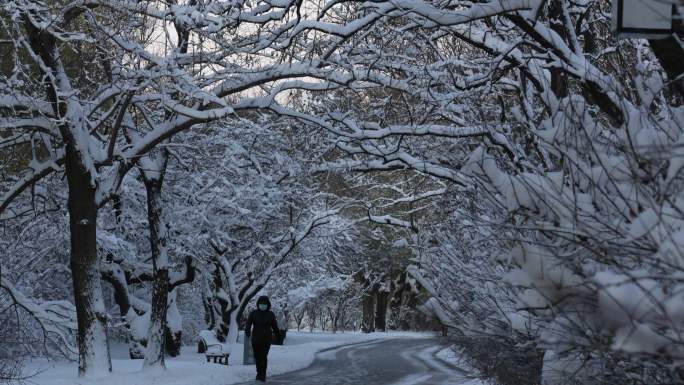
(213, 349)
(216, 353)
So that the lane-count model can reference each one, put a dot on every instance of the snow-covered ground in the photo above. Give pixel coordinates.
(191, 367)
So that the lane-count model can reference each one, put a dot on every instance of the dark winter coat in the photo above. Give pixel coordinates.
(260, 324)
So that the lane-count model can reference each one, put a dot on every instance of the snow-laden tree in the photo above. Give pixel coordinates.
(332, 295)
(34, 277)
(126, 242)
(83, 91)
(457, 257)
(571, 139)
(237, 279)
(49, 323)
(242, 204)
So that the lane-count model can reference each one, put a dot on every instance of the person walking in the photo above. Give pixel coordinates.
(260, 323)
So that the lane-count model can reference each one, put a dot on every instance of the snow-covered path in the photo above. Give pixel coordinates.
(400, 361)
(394, 358)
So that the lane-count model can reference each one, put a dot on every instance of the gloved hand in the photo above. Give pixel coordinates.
(248, 334)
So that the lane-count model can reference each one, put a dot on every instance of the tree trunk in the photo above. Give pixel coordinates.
(222, 328)
(408, 320)
(117, 278)
(381, 310)
(247, 293)
(299, 317)
(174, 326)
(208, 304)
(396, 300)
(233, 328)
(368, 307)
(312, 319)
(342, 319)
(93, 346)
(216, 307)
(154, 354)
(322, 320)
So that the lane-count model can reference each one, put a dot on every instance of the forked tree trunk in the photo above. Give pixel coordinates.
(299, 317)
(116, 276)
(93, 346)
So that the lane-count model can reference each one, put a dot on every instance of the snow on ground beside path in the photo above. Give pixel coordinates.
(468, 374)
(191, 367)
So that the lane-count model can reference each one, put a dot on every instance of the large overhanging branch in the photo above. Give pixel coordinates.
(434, 16)
(56, 319)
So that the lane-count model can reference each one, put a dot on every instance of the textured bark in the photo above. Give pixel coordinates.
(173, 342)
(85, 272)
(93, 347)
(156, 340)
(382, 298)
(368, 307)
(156, 336)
